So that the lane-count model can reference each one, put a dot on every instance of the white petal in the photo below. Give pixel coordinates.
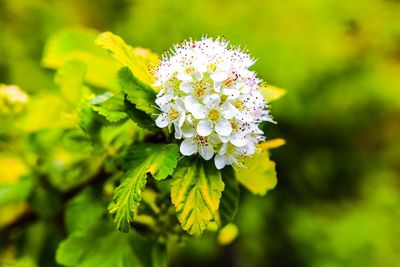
(225, 139)
(187, 131)
(204, 128)
(219, 76)
(231, 93)
(244, 116)
(198, 111)
(189, 101)
(181, 119)
(212, 101)
(229, 111)
(198, 75)
(164, 100)
(223, 127)
(219, 161)
(178, 131)
(179, 103)
(184, 77)
(217, 86)
(192, 105)
(223, 149)
(250, 148)
(162, 121)
(206, 152)
(186, 87)
(239, 140)
(188, 147)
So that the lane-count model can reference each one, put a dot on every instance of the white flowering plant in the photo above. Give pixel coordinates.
(159, 147)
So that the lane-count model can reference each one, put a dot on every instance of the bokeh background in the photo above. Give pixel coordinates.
(337, 202)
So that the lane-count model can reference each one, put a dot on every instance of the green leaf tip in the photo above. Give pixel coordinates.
(159, 160)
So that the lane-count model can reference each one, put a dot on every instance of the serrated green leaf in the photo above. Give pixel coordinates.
(138, 93)
(110, 115)
(110, 106)
(272, 93)
(139, 117)
(102, 246)
(158, 160)
(78, 44)
(259, 175)
(83, 211)
(230, 197)
(139, 60)
(196, 192)
(127, 197)
(69, 79)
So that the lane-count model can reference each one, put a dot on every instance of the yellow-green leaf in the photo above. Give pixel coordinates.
(196, 192)
(140, 60)
(272, 93)
(69, 79)
(271, 144)
(259, 175)
(78, 44)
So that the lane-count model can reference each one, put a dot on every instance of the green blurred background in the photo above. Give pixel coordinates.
(337, 202)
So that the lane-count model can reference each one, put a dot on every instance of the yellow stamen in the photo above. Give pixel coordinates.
(213, 114)
(173, 114)
(212, 67)
(239, 104)
(189, 70)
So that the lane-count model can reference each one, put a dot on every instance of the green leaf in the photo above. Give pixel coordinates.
(158, 160)
(45, 111)
(196, 192)
(15, 192)
(69, 79)
(78, 44)
(272, 93)
(259, 175)
(140, 117)
(139, 60)
(102, 246)
(138, 93)
(230, 197)
(83, 211)
(110, 106)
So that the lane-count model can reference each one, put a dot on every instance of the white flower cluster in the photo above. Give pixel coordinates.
(212, 100)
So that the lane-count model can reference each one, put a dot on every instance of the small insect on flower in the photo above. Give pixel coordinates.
(212, 99)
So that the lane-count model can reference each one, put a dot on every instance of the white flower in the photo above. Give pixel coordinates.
(196, 144)
(212, 99)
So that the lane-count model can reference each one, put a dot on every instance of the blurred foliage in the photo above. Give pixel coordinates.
(337, 201)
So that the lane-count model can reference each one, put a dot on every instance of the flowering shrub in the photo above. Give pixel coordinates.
(159, 146)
